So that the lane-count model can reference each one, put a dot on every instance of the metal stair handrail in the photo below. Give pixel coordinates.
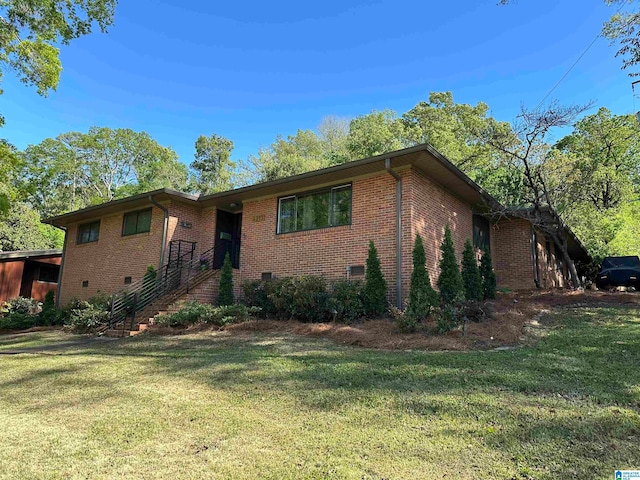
(145, 291)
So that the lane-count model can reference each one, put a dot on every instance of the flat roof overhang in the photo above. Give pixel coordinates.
(424, 158)
(118, 206)
(30, 254)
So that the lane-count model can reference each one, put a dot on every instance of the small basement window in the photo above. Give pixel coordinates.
(136, 222)
(266, 276)
(88, 232)
(85, 283)
(357, 270)
(127, 280)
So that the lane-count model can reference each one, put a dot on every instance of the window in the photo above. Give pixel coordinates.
(136, 222)
(481, 238)
(48, 273)
(88, 232)
(325, 208)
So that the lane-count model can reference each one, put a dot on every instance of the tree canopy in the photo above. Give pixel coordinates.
(31, 30)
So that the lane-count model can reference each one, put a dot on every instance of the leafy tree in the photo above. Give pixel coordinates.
(375, 133)
(76, 169)
(374, 293)
(20, 229)
(471, 278)
(488, 276)
(212, 164)
(9, 162)
(289, 156)
(449, 281)
(225, 293)
(333, 133)
(422, 296)
(32, 30)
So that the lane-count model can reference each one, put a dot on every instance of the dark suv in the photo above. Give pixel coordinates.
(619, 272)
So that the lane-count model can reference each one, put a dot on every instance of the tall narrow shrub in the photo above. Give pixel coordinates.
(450, 280)
(225, 292)
(422, 296)
(488, 276)
(374, 293)
(471, 278)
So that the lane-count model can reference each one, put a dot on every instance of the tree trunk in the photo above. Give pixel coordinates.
(571, 267)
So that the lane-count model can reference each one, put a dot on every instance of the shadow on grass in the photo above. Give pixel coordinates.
(589, 354)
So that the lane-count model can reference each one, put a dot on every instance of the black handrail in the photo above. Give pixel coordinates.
(186, 271)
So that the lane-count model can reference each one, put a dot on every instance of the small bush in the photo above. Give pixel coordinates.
(347, 300)
(488, 276)
(50, 315)
(194, 312)
(257, 293)
(189, 313)
(405, 320)
(422, 296)
(471, 278)
(447, 318)
(302, 298)
(450, 281)
(22, 305)
(225, 291)
(100, 300)
(84, 316)
(17, 321)
(374, 294)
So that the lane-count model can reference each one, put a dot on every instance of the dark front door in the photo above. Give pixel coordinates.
(228, 230)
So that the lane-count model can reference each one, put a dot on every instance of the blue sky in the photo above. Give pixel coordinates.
(251, 70)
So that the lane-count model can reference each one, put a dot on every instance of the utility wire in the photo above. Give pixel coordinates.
(574, 64)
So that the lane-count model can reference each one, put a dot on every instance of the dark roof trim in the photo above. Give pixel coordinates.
(30, 253)
(425, 147)
(172, 194)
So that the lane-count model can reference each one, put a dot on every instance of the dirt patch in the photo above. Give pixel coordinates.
(513, 315)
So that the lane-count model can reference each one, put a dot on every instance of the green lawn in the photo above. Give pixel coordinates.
(266, 406)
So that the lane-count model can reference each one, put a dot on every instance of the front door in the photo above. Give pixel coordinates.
(228, 231)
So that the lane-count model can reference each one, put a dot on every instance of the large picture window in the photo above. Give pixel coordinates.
(320, 209)
(88, 232)
(136, 222)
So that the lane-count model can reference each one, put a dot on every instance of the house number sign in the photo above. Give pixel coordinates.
(258, 218)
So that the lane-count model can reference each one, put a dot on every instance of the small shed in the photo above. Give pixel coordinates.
(29, 273)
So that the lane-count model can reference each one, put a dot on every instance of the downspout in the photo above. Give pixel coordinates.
(534, 255)
(165, 227)
(394, 174)
(64, 252)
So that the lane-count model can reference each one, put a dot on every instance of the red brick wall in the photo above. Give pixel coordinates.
(549, 274)
(106, 262)
(325, 251)
(511, 254)
(432, 208)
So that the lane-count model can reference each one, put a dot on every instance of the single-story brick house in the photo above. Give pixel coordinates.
(29, 273)
(316, 223)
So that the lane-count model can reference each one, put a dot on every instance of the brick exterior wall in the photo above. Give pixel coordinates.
(431, 208)
(326, 251)
(108, 261)
(427, 207)
(511, 254)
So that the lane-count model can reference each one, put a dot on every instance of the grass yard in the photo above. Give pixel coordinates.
(262, 405)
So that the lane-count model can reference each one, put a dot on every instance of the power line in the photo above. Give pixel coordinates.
(574, 64)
